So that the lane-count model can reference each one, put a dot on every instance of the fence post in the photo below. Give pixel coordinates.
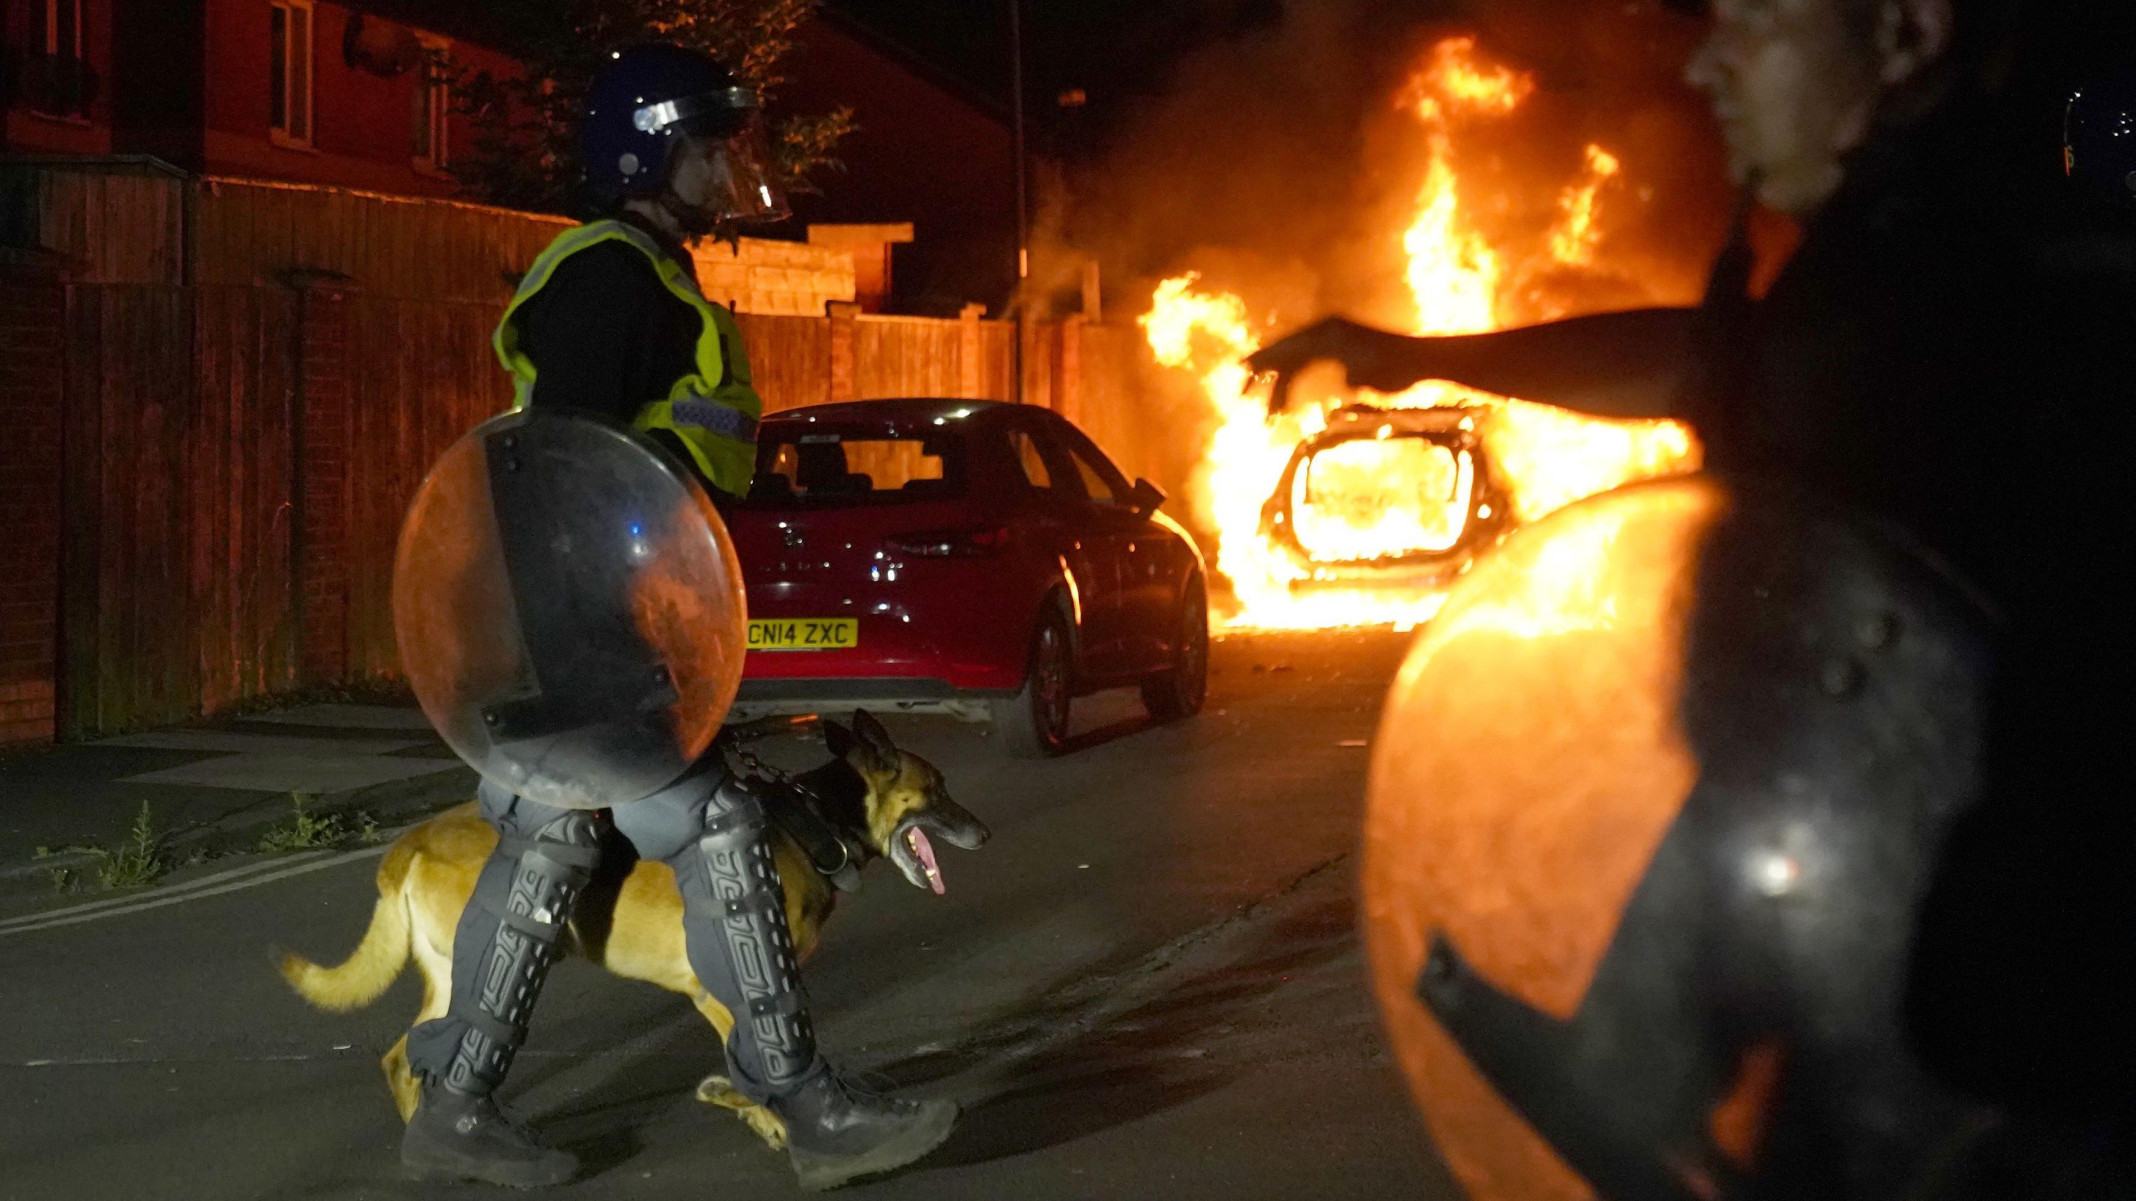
(1068, 370)
(324, 389)
(32, 398)
(971, 353)
(1034, 365)
(843, 373)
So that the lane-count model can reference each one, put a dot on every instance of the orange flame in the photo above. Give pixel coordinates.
(1453, 80)
(1456, 279)
(1574, 240)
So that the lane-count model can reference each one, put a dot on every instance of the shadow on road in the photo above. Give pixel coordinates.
(1074, 1069)
(1112, 731)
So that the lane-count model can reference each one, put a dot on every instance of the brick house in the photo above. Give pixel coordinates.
(280, 89)
(926, 150)
(352, 95)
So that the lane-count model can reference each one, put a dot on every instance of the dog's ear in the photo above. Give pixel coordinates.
(855, 749)
(840, 740)
(872, 732)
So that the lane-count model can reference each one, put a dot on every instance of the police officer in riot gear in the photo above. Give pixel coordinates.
(1858, 901)
(610, 322)
(609, 318)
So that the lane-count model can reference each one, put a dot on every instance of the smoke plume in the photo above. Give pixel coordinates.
(1279, 165)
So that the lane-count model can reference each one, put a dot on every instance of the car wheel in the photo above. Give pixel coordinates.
(1034, 722)
(1179, 691)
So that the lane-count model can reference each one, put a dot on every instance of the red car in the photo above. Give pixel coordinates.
(981, 559)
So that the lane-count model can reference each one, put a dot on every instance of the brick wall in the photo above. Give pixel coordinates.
(784, 279)
(32, 378)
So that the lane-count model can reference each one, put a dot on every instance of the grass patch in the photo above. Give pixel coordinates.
(306, 831)
(136, 861)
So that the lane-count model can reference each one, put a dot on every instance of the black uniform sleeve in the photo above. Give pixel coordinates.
(586, 332)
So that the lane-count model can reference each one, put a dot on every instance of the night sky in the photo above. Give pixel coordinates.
(1116, 52)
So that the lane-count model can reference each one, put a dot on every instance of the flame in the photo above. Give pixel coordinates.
(1574, 240)
(1454, 80)
(1366, 503)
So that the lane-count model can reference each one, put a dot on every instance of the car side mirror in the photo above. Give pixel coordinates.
(1145, 497)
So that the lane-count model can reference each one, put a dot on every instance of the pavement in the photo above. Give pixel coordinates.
(214, 788)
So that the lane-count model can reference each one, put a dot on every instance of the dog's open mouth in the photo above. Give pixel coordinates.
(923, 850)
(912, 846)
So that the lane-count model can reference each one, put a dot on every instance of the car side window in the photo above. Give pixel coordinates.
(1094, 483)
(1030, 459)
(1102, 482)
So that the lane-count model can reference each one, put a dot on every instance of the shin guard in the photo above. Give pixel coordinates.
(734, 923)
(507, 940)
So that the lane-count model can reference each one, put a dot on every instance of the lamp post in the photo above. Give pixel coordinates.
(1023, 221)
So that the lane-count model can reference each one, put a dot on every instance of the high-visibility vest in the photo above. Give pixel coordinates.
(713, 411)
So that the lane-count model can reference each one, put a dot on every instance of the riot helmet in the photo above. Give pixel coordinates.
(669, 123)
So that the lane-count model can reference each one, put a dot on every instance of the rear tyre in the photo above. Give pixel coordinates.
(1034, 722)
(1179, 691)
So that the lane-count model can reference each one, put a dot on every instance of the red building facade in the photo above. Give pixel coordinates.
(54, 57)
(351, 94)
(281, 89)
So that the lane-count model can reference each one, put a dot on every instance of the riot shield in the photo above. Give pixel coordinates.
(1652, 808)
(569, 609)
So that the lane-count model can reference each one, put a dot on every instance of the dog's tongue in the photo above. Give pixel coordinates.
(916, 838)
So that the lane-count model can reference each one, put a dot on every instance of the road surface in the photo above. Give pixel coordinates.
(1147, 985)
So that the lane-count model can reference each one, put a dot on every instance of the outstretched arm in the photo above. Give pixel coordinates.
(1625, 364)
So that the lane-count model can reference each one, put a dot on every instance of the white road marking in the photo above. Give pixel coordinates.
(207, 881)
(232, 882)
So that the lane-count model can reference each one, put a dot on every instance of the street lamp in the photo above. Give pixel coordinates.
(1023, 221)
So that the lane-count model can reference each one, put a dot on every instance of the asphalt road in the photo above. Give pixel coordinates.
(1147, 985)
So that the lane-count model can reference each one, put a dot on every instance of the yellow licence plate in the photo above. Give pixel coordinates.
(804, 634)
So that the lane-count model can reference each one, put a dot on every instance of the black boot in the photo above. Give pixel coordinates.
(734, 927)
(457, 1136)
(837, 1133)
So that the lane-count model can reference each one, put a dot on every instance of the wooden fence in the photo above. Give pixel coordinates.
(237, 460)
(135, 221)
(252, 378)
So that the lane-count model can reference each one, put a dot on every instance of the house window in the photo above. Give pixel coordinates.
(289, 72)
(56, 78)
(433, 104)
(61, 31)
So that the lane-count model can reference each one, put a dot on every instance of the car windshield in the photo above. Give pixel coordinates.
(1369, 498)
(812, 465)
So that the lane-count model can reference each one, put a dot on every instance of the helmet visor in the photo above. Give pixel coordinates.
(740, 185)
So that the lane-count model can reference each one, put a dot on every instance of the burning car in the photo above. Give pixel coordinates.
(1394, 496)
(1395, 501)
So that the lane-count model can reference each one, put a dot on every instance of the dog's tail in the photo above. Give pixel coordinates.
(377, 961)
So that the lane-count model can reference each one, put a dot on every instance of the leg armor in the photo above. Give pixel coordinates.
(714, 832)
(506, 941)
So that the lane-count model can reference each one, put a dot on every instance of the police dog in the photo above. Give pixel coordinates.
(886, 801)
